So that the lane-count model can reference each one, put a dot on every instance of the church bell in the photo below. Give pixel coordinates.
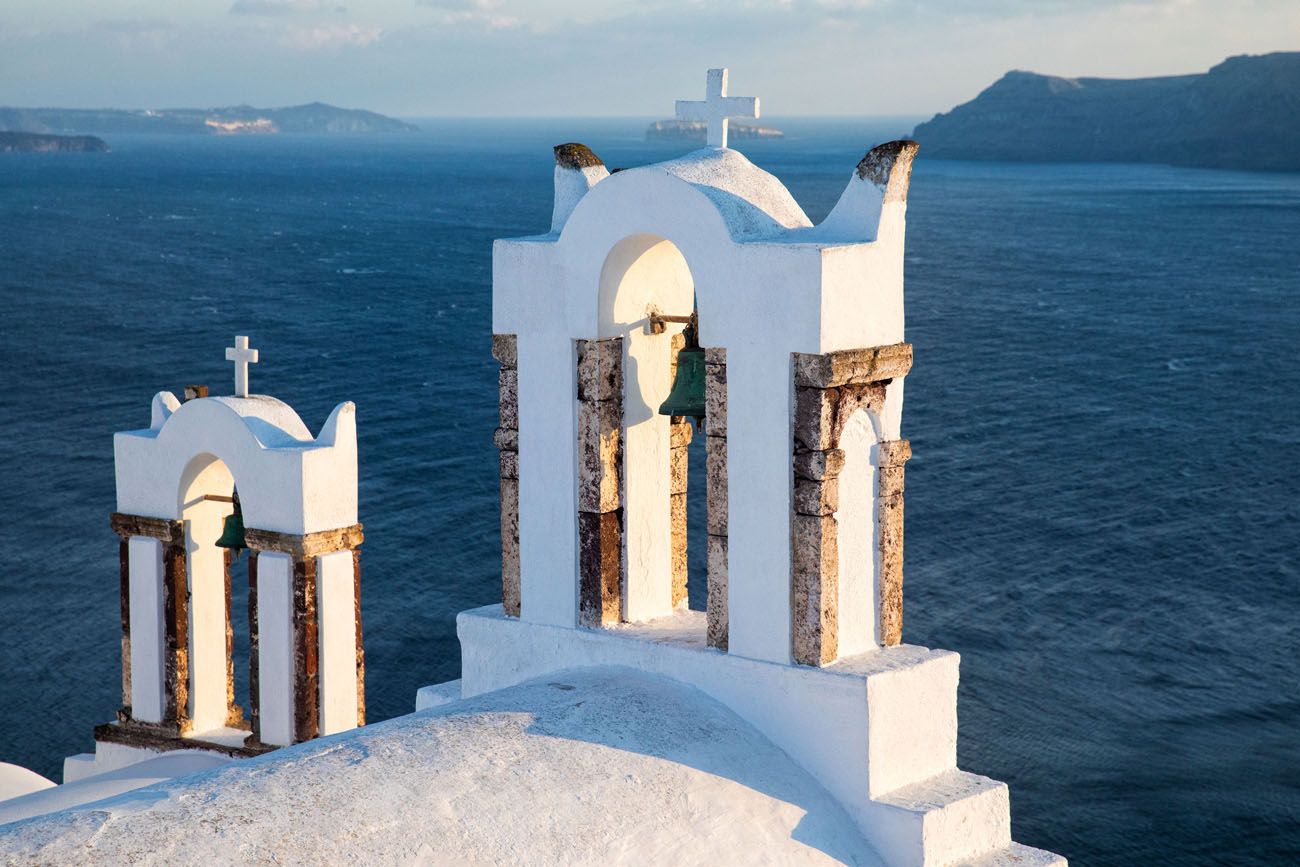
(232, 534)
(687, 395)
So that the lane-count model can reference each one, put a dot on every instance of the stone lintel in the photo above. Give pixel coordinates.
(165, 530)
(302, 547)
(505, 349)
(852, 366)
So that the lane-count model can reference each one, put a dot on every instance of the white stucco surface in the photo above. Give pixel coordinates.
(604, 766)
(766, 283)
(288, 481)
(275, 647)
(145, 577)
(337, 663)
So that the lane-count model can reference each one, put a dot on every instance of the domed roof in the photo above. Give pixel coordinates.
(753, 203)
(601, 765)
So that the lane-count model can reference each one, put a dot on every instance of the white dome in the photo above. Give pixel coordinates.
(597, 766)
(753, 203)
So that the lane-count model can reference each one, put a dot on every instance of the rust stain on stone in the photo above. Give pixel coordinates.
(254, 678)
(124, 583)
(306, 679)
(361, 648)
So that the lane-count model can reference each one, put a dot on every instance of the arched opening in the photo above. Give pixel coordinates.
(646, 274)
(216, 585)
(858, 536)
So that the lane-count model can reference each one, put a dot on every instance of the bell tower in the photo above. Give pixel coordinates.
(796, 359)
(211, 480)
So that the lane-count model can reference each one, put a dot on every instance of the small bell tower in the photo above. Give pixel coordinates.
(207, 481)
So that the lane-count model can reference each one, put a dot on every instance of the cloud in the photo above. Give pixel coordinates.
(328, 37)
(283, 7)
(486, 12)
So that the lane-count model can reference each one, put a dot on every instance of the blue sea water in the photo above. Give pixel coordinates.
(1105, 414)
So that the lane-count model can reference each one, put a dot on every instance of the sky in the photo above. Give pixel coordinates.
(579, 58)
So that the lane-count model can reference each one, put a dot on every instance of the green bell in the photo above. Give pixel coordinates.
(687, 395)
(232, 534)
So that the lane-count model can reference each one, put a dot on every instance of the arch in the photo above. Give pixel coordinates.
(858, 535)
(640, 272)
(211, 665)
(289, 482)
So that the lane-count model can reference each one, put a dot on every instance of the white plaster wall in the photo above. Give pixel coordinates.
(768, 285)
(275, 647)
(645, 271)
(288, 482)
(858, 530)
(879, 721)
(145, 593)
(205, 572)
(336, 611)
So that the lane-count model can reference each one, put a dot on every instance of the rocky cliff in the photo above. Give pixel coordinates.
(1243, 114)
(30, 142)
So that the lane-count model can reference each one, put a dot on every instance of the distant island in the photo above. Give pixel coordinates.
(1242, 114)
(317, 117)
(32, 142)
(692, 130)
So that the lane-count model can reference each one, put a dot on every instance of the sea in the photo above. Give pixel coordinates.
(1103, 507)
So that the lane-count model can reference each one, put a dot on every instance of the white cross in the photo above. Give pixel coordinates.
(717, 107)
(242, 356)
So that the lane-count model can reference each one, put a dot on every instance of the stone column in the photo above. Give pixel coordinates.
(600, 494)
(715, 428)
(301, 609)
(680, 432)
(828, 390)
(505, 351)
(234, 712)
(889, 510)
(162, 542)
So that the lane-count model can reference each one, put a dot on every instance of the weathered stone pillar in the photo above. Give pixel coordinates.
(304, 555)
(680, 433)
(715, 403)
(828, 390)
(124, 587)
(889, 511)
(505, 351)
(167, 566)
(600, 494)
(254, 693)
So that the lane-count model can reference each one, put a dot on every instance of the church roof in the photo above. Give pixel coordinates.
(602, 765)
